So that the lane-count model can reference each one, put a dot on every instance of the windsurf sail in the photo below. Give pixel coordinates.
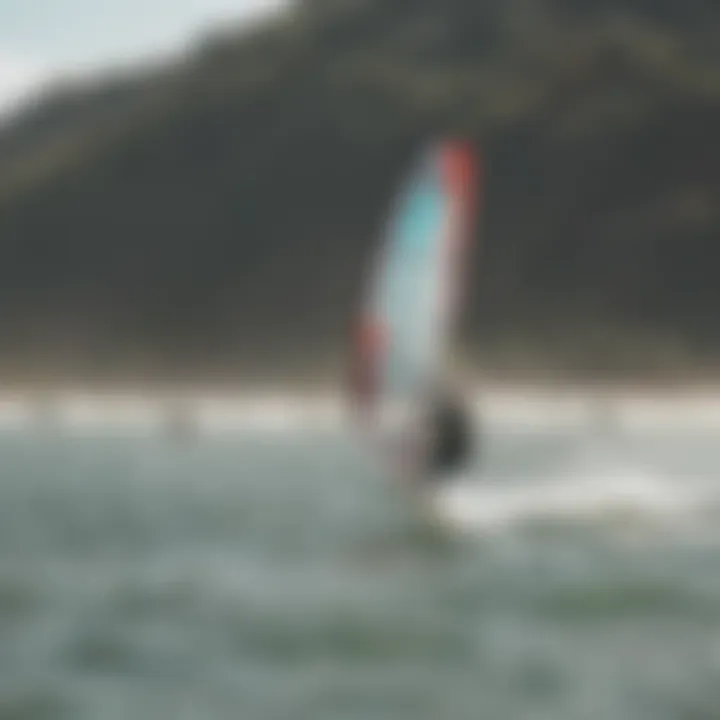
(414, 294)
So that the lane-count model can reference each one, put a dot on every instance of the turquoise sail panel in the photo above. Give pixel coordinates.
(410, 284)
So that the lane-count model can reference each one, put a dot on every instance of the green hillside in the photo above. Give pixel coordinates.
(215, 216)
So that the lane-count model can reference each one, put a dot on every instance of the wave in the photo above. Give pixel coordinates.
(590, 490)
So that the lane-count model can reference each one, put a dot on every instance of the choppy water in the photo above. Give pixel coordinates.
(275, 576)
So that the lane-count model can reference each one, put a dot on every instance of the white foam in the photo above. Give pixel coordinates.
(579, 496)
(15, 414)
(87, 412)
(78, 413)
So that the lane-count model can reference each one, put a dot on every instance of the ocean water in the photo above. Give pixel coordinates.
(272, 575)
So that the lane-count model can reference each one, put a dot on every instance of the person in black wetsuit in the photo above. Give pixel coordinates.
(452, 443)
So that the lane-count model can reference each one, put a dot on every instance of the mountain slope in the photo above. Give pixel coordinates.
(216, 215)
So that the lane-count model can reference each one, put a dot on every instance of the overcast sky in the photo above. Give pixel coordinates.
(40, 39)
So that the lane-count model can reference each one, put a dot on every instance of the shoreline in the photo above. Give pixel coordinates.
(88, 418)
(202, 408)
(239, 391)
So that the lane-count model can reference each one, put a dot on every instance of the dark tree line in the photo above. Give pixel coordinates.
(216, 214)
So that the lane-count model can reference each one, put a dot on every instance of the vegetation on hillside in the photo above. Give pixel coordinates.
(216, 215)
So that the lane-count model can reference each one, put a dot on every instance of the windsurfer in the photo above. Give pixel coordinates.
(451, 439)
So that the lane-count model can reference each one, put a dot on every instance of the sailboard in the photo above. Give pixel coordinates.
(413, 299)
